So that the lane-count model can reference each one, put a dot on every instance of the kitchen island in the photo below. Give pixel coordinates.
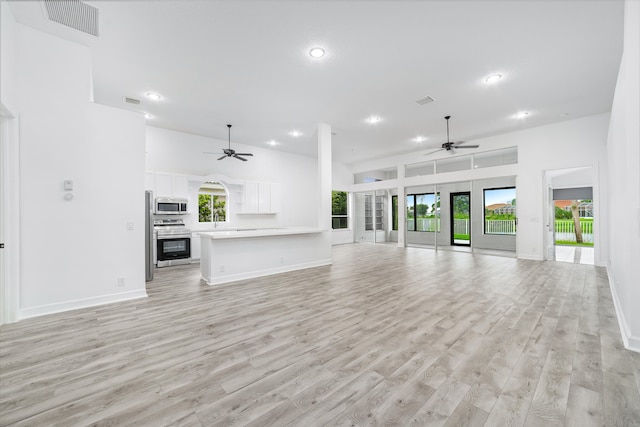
(245, 253)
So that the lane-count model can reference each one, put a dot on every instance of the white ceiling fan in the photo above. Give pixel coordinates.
(451, 145)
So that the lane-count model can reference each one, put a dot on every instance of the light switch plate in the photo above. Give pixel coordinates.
(68, 185)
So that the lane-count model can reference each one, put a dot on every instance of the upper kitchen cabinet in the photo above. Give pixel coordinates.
(261, 197)
(167, 185)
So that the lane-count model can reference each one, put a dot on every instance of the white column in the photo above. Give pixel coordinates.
(402, 209)
(324, 188)
(324, 176)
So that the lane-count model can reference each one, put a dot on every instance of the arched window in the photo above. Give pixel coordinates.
(212, 202)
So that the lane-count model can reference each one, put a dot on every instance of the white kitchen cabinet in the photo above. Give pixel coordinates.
(164, 185)
(276, 197)
(195, 247)
(264, 197)
(150, 182)
(261, 197)
(180, 185)
(251, 204)
(167, 185)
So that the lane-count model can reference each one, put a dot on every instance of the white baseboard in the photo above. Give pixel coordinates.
(266, 272)
(532, 257)
(25, 313)
(630, 342)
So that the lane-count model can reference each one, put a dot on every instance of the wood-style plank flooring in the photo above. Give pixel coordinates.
(384, 336)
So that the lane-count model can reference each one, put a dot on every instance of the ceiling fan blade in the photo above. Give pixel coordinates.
(223, 157)
(244, 154)
(240, 158)
(440, 149)
(466, 146)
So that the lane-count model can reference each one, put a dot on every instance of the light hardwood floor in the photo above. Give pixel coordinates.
(383, 336)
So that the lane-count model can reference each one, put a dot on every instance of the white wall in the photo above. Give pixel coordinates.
(73, 252)
(623, 150)
(8, 55)
(182, 153)
(479, 239)
(9, 177)
(575, 143)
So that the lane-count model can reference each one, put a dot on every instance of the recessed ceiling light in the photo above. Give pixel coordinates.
(154, 96)
(295, 133)
(521, 115)
(373, 120)
(148, 116)
(317, 52)
(420, 139)
(493, 78)
(273, 143)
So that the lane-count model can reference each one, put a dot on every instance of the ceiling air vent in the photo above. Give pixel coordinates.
(424, 101)
(74, 14)
(131, 100)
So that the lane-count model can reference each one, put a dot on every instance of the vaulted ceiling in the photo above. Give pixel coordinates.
(247, 63)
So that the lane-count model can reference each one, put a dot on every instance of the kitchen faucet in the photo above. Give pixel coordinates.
(216, 218)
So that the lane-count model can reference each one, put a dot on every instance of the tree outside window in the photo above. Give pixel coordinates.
(212, 202)
(339, 210)
(422, 212)
(394, 212)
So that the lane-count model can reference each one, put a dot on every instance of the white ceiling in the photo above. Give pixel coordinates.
(246, 63)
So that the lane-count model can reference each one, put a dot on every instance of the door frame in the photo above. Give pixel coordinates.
(451, 213)
(9, 216)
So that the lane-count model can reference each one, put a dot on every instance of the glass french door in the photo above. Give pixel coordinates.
(461, 218)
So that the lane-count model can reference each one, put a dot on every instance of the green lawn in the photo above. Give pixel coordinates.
(570, 243)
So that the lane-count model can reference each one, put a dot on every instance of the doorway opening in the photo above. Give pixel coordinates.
(571, 214)
(461, 218)
(370, 219)
(573, 228)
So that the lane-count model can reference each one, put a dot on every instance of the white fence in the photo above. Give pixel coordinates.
(500, 226)
(565, 231)
(424, 224)
(460, 226)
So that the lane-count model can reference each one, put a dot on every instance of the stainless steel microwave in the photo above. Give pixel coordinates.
(170, 206)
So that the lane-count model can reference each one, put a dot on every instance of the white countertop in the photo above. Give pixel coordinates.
(241, 233)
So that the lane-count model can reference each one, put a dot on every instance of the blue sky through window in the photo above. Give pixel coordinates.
(505, 195)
